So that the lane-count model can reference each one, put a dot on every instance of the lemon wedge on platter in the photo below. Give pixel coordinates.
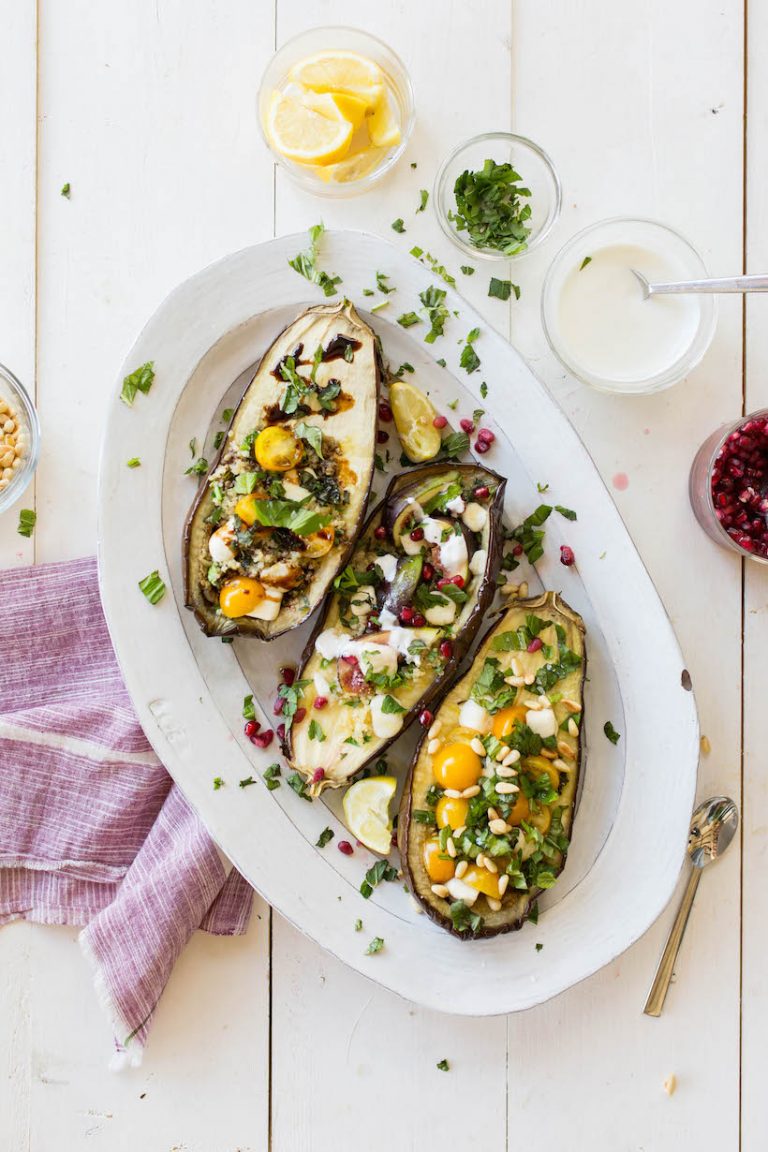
(414, 416)
(366, 812)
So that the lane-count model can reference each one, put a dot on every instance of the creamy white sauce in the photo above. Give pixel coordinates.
(453, 555)
(384, 724)
(610, 331)
(387, 619)
(330, 643)
(456, 506)
(322, 687)
(373, 658)
(387, 564)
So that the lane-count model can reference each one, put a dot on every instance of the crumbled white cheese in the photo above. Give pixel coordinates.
(385, 724)
(433, 530)
(219, 545)
(401, 639)
(456, 506)
(461, 891)
(441, 614)
(322, 687)
(453, 555)
(388, 566)
(543, 722)
(269, 607)
(478, 562)
(295, 491)
(473, 716)
(474, 516)
(330, 643)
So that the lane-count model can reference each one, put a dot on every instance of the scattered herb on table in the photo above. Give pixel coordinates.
(381, 304)
(438, 268)
(567, 512)
(134, 462)
(375, 946)
(502, 289)
(542, 488)
(381, 870)
(227, 415)
(397, 225)
(477, 415)
(433, 300)
(539, 947)
(455, 444)
(270, 776)
(531, 535)
(585, 261)
(491, 207)
(423, 199)
(453, 404)
(27, 521)
(408, 319)
(469, 359)
(153, 587)
(467, 269)
(414, 164)
(299, 785)
(533, 915)
(324, 838)
(140, 380)
(358, 925)
(66, 191)
(217, 783)
(249, 708)
(246, 783)
(199, 468)
(611, 732)
(306, 263)
(443, 1065)
(442, 364)
(218, 439)
(483, 389)
(381, 285)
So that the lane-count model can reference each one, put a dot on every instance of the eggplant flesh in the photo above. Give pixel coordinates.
(318, 386)
(375, 669)
(529, 844)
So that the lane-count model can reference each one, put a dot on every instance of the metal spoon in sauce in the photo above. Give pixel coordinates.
(713, 826)
(727, 284)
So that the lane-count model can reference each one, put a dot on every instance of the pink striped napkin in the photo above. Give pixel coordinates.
(92, 830)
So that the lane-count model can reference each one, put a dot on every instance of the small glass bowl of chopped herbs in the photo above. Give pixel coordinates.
(19, 438)
(497, 196)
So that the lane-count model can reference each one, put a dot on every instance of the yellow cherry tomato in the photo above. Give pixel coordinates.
(245, 508)
(521, 810)
(319, 543)
(451, 813)
(541, 820)
(276, 449)
(439, 865)
(483, 880)
(505, 720)
(539, 765)
(456, 766)
(240, 596)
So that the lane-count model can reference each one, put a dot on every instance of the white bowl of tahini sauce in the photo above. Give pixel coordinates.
(599, 325)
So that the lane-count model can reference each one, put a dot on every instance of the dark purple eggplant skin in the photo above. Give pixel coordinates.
(486, 593)
(210, 623)
(406, 803)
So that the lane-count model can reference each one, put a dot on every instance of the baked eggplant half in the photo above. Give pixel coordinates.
(277, 515)
(487, 811)
(402, 614)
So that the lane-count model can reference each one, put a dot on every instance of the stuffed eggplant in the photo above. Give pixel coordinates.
(487, 810)
(403, 613)
(277, 515)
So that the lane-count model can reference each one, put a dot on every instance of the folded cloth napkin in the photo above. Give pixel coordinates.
(93, 831)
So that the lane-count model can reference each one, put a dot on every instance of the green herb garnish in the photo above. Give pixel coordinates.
(443, 1065)
(408, 319)
(246, 782)
(153, 587)
(306, 263)
(469, 359)
(433, 300)
(611, 732)
(316, 732)
(358, 925)
(390, 706)
(324, 838)
(397, 225)
(299, 785)
(312, 435)
(381, 870)
(423, 199)
(464, 918)
(375, 946)
(27, 521)
(66, 190)
(134, 462)
(585, 261)
(270, 776)
(217, 783)
(381, 285)
(567, 512)
(249, 708)
(483, 389)
(490, 208)
(467, 269)
(289, 514)
(199, 468)
(140, 380)
(455, 444)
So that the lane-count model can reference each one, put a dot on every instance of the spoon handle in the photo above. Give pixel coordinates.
(725, 284)
(663, 977)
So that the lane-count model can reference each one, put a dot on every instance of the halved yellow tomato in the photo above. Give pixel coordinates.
(319, 543)
(505, 720)
(456, 766)
(483, 880)
(240, 596)
(276, 449)
(450, 812)
(439, 865)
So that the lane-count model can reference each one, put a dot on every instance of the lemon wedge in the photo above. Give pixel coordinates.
(366, 812)
(414, 414)
(337, 106)
(303, 135)
(383, 128)
(355, 166)
(339, 72)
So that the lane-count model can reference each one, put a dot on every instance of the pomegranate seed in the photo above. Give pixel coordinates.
(419, 621)
(281, 732)
(350, 659)
(385, 412)
(446, 650)
(320, 702)
(263, 739)
(482, 493)
(535, 644)
(442, 583)
(393, 841)
(417, 534)
(406, 615)
(382, 436)
(566, 555)
(458, 581)
(288, 674)
(518, 550)
(426, 718)
(318, 775)
(427, 572)
(380, 533)
(373, 623)
(440, 421)
(251, 728)
(277, 708)
(345, 847)
(299, 715)
(481, 446)
(466, 425)
(486, 434)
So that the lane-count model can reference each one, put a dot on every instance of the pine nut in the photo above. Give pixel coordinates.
(561, 765)
(513, 758)
(565, 750)
(459, 832)
(477, 746)
(491, 866)
(494, 905)
(503, 883)
(706, 747)
(451, 848)
(523, 589)
(468, 793)
(493, 814)
(504, 788)
(440, 890)
(550, 755)
(452, 794)
(529, 679)
(533, 704)
(545, 702)
(499, 827)
(571, 705)
(433, 746)
(514, 681)
(573, 728)
(502, 752)
(461, 868)
(509, 590)
(480, 860)
(505, 773)
(435, 729)
(488, 770)
(515, 666)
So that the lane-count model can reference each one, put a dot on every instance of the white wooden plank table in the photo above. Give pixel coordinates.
(147, 109)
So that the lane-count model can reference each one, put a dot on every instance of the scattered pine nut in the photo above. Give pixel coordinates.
(440, 890)
(461, 868)
(494, 905)
(706, 747)
(670, 1084)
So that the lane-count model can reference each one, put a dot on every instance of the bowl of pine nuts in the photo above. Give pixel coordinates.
(19, 438)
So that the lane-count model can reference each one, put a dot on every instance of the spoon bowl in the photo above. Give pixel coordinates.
(713, 826)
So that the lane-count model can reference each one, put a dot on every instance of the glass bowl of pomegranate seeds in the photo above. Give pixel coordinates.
(729, 486)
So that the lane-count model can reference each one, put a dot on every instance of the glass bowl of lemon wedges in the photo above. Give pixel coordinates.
(336, 109)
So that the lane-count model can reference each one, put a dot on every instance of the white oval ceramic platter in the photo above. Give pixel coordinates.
(631, 826)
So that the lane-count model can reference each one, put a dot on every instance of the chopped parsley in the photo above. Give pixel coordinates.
(246, 783)
(324, 838)
(66, 190)
(611, 732)
(455, 444)
(358, 925)
(585, 261)
(502, 289)
(423, 199)
(390, 706)
(467, 269)
(381, 870)
(492, 208)
(375, 946)
(140, 380)
(408, 319)
(438, 268)
(463, 918)
(217, 783)
(483, 389)
(271, 776)
(381, 284)
(153, 587)
(490, 689)
(539, 947)
(306, 264)
(469, 359)
(397, 225)
(316, 732)
(433, 300)
(531, 535)
(299, 785)
(567, 512)
(249, 709)
(443, 1065)
(290, 695)
(199, 468)
(27, 521)
(134, 462)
